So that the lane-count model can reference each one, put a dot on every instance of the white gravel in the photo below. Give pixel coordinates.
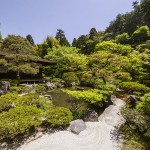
(97, 135)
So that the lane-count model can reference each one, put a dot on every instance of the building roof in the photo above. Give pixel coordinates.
(44, 62)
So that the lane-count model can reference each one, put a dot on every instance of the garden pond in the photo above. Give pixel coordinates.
(62, 99)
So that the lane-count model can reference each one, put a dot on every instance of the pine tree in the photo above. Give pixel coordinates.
(60, 36)
(30, 39)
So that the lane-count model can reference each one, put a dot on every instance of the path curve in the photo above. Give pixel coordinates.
(97, 135)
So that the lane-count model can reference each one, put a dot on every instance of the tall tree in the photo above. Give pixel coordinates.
(74, 42)
(30, 39)
(19, 55)
(93, 33)
(145, 7)
(60, 36)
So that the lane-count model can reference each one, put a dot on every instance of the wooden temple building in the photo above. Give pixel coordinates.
(25, 78)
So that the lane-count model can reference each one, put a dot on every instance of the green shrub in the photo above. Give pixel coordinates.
(12, 82)
(131, 87)
(33, 99)
(19, 121)
(136, 122)
(70, 77)
(135, 129)
(17, 89)
(113, 47)
(123, 76)
(144, 104)
(40, 89)
(99, 84)
(59, 116)
(93, 96)
(8, 101)
(133, 144)
(87, 79)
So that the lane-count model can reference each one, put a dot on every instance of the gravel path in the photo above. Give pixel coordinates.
(97, 135)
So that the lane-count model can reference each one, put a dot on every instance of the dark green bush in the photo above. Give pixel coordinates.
(8, 101)
(87, 79)
(131, 87)
(99, 84)
(19, 121)
(70, 77)
(136, 122)
(144, 104)
(59, 116)
(135, 129)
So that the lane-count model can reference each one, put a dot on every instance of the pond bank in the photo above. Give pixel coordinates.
(97, 136)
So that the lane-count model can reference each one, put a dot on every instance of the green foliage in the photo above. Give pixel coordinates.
(135, 121)
(92, 96)
(59, 116)
(131, 87)
(16, 44)
(68, 59)
(21, 55)
(141, 34)
(0, 36)
(144, 104)
(145, 11)
(48, 45)
(33, 99)
(8, 101)
(40, 89)
(11, 100)
(122, 38)
(12, 82)
(87, 79)
(123, 76)
(19, 121)
(113, 47)
(69, 78)
(134, 145)
(60, 36)
(99, 84)
(16, 89)
(30, 39)
(135, 129)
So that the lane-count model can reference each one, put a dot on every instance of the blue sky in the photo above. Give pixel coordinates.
(43, 17)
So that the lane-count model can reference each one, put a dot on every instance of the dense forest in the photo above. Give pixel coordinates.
(111, 62)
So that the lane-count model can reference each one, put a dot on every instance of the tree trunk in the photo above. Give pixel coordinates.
(18, 77)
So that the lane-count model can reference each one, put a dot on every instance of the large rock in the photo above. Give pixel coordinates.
(91, 116)
(51, 85)
(4, 87)
(132, 100)
(1, 92)
(77, 126)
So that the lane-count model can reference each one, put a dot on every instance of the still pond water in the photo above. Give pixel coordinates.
(60, 98)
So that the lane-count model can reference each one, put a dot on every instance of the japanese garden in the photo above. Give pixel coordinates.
(99, 83)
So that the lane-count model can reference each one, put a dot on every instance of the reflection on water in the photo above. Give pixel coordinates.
(59, 98)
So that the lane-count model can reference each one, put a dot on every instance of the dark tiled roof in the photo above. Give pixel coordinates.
(36, 60)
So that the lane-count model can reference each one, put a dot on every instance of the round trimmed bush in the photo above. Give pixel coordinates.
(131, 87)
(59, 116)
(33, 99)
(19, 121)
(8, 101)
